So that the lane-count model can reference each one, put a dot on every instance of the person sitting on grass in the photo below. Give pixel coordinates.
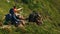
(35, 17)
(15, 14)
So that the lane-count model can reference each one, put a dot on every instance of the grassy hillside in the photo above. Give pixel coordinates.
(49, 9)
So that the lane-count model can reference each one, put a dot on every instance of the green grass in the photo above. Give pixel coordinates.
(49, 9)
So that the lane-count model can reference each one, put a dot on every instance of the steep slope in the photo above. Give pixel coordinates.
(49, 9)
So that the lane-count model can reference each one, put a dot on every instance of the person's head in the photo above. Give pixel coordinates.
(34, 11)
(14, 6)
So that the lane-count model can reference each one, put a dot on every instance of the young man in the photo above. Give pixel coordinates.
(15, 14)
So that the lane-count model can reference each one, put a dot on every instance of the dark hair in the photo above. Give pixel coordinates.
(34, 11)
(14, 6)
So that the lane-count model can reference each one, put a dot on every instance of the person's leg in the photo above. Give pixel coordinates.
(23, 22)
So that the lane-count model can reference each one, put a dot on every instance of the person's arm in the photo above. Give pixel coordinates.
(19, 9)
